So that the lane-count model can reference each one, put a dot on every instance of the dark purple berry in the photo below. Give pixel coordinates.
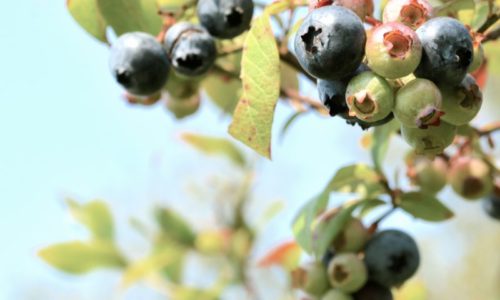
(225, 19)
(373, 291)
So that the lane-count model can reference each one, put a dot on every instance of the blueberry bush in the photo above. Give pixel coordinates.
(408, 69)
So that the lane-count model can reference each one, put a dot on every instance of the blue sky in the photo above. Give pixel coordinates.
(66, 131)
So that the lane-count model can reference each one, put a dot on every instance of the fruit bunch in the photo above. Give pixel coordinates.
(412, 67)
(360, 265)
(142, 63)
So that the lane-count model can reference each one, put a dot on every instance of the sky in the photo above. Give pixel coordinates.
(66, 132)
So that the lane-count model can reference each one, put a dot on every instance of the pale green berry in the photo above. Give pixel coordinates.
(347, 272)
(336, 295)
(462, 103)
(353, 238)
(430, 141)
(471, 178)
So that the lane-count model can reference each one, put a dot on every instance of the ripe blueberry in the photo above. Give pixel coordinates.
(352, 238)
(336, 295)
(412, 13)
(369, 97)
(393, 50)
(470, 178)
(373, 291)
(430, 141)
(429, 175)
(391, 257)
(347, 272)
(225, 19)
(190, 48)
(491, 204)
(332, 94)
(461, 103)
(418, 104)
(330, 42)
(447, 51)
(139, 63)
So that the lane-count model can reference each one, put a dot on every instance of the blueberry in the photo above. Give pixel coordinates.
(330, 42)
(391, 257)
(470, 178)
(225, 18)
(139, 63)
(491, 205)
(373, 291)
(327, 257)
(336, 295)
(418, 104)
(461, 103)
(430, 141)
(190, 48)
(369, 97)
(447, 50)
(393, 50)
(315, 279)
(412, 13)
(347, 272)
(332, 94)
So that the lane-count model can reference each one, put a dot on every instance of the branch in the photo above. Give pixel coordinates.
(492, 35)
(313, 104)
(492, 19)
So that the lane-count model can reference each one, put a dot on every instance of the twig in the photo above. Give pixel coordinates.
(313, 104)
(492, 35)
(489, 129)
(492, 19)
(375, 224)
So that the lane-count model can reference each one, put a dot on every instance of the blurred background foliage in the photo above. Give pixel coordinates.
(62, 140)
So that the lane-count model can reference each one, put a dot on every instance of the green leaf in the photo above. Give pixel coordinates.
(254, 114)
(425, 206)
(81, 257)
(358, 178)
(325, 232)
(213, 145)
(223, 91)
(481, 13)
(302, 223)
(86, 13)
(380, 142)
(172, 6)
(131, 15)
(289, 122)
(368, 206)
(174, 226)
(95, 215)
(154, 263)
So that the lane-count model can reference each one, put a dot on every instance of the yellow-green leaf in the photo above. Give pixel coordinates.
(86, 13)
(380, 142)
(95, 215)
(172, 6)
(81, 257)
(358, 178)
(214, 145)
(424, 206)
(254, 114)
(223, 91)
(131, 15)
(174, 227)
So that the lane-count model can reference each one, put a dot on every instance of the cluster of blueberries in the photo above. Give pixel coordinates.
(141, 64)
(361, 266)
(413, 67)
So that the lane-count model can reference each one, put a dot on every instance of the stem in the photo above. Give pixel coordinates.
(489, 129)
(313, 104)
(492, 19)
(372, 21)
(492, 35)
(375, 224)
(229, 52)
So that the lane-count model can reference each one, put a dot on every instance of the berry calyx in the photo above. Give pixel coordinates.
(347, 272)
(470, 178)
(461, 103)
(369, 97)
(393, 50)
(418, 104)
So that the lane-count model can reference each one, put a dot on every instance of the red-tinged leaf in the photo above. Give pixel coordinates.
(286, 255)
(481, 74)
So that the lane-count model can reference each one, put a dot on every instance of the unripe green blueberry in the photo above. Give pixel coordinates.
(430, 141)
(182, 108)
(462, 103)
(412, 13)
(429, 175)
(336, 295)
(470, 178)
(353, 238)
(369, 97)
(347, 272)
(418, 104)
(393, 50)
(315, 281)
